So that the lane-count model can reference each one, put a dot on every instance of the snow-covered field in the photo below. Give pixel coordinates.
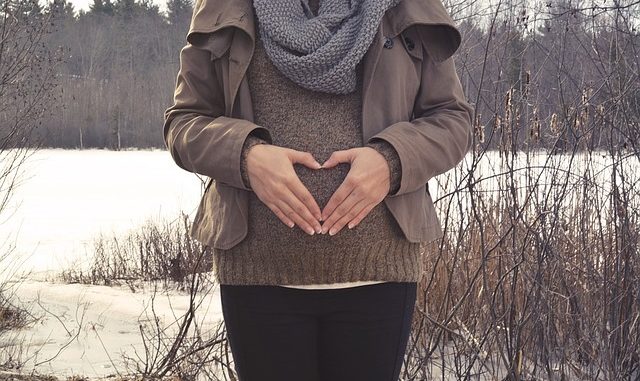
(84, 330)
(65, 198)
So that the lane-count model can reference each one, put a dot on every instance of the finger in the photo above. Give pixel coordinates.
(342, 156)
(302, 193)
(338, 196)
(348, 216)
(297, 211)
(305, 158)
(353, 223)
(283, 217)
(291, 214)
(345, 206)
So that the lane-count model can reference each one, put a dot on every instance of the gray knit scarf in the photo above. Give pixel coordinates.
(319, 52)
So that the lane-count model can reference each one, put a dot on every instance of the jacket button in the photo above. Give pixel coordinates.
(388, 43)
(409, 42)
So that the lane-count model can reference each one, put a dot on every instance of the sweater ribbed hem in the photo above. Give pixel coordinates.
(329, 286)
(394, 261)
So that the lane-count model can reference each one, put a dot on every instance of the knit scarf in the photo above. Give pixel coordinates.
(319, 52)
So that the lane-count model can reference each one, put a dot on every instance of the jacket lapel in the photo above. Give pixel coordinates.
(370, 60)
(211, 29)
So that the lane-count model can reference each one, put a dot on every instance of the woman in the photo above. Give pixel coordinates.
(306, 116)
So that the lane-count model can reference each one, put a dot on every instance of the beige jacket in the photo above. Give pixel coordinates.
(412, 98)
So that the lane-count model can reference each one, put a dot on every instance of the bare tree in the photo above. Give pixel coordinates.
(27, 85)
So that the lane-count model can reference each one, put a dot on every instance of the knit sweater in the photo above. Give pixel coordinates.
(375, 250)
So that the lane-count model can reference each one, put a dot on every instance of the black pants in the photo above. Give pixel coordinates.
(288, 334)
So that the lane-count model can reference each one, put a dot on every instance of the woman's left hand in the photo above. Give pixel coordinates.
(364, 187)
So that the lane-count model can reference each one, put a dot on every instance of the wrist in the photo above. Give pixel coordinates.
(250, 143)
(392, 159)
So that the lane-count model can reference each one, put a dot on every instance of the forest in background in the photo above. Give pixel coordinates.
(565, 71)
(112, 71)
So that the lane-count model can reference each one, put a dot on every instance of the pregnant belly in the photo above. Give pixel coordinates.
(321, 183)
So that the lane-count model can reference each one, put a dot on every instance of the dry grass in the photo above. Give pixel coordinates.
(156, 251)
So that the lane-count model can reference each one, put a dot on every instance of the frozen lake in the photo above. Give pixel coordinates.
(65, 198)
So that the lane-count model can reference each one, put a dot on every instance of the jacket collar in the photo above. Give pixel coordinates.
(435, 26)
(211, 16)
(437, 29)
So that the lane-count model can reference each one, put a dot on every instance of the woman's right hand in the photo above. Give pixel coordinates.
(275, 182)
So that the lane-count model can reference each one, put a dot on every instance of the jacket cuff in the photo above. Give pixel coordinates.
(249, 142)
(393, 159)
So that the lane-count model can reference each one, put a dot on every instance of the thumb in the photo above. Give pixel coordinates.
(305, 158)
(342, 156)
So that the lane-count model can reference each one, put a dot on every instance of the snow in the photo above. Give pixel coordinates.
(67, 197)
(84, 329)
(64, 200)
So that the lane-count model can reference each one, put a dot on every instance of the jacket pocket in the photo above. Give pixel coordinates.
(205, 223)
(221, 219)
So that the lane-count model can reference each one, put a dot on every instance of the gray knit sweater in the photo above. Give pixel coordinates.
(274, 254)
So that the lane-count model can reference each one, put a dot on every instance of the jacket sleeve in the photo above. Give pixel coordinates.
(440, 134)
(200, 138)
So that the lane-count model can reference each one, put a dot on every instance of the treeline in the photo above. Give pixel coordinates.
(120, 61)
(556, 74)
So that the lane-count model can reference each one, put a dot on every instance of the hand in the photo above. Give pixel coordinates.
(275, 182)
(365, 186)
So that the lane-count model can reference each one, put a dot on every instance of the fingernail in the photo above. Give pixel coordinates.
(350, 225)
(318, 229)
(324, 230)
(332, 231)
(310, 231)
(318, 165)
